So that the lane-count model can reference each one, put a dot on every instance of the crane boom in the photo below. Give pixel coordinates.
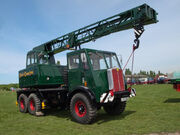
(139, 16)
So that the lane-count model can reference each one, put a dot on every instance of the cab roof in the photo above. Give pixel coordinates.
(89, 50)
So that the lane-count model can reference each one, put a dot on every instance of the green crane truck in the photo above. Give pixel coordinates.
(91, 79)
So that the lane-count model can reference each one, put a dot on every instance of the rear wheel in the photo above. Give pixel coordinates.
(34, 104)
(82, 110)
(22, 102)
(115, 108)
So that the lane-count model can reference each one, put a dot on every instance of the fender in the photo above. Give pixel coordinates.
(85, 90)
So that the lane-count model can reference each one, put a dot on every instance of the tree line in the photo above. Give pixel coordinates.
(8, 86)
(142, 72)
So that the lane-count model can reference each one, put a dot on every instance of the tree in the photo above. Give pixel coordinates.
(127, 71)
(142, 72)
(159, 73)
(152, 74)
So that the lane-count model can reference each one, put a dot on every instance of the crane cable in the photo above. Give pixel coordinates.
(138, 30)
(136, 41)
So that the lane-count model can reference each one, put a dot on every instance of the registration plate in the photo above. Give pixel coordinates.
(124, 99)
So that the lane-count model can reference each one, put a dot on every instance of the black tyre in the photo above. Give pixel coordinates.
(34, 104)
(115, 108)
(82, 110)
(22, 102)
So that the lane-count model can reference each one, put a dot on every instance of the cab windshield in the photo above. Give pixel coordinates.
(100, 61)
(112, 60)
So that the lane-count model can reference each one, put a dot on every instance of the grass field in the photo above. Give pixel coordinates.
(155, 109)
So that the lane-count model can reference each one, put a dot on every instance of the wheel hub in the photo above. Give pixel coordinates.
(80, 108)
(22, 104)
(32, 106)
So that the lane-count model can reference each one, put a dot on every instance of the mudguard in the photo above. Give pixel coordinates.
(84, 90)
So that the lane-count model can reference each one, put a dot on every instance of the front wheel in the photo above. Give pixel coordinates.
(82, 109)
(115, 108)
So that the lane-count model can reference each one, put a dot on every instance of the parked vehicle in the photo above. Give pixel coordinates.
(174, 78)
(91, 79)
(151, 80)
(143, 80)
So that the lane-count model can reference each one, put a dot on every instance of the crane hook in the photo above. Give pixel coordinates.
(138, 30)
(136, 44)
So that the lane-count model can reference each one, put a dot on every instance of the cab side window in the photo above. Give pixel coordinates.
(73, 62)
(43, 59)
(32, 58)
(28, 60)
(35, 58)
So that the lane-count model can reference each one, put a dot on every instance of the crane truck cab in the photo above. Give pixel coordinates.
(99, 71)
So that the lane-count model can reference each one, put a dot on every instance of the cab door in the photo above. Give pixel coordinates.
(74, 71)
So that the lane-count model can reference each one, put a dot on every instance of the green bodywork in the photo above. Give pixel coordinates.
(50, 75)
(42, 71)
(43, 75)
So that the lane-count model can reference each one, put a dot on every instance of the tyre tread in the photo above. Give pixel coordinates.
(37, 103)
(92, 110)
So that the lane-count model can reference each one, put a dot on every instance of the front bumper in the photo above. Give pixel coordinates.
(118, 95)
(121, 94)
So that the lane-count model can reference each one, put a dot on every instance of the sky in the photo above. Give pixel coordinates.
(26, 24)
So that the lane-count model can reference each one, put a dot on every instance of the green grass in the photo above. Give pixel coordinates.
(155, 109)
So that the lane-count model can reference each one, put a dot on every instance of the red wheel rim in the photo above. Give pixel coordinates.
(32, 105)
(22, 104)
(80, 108)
